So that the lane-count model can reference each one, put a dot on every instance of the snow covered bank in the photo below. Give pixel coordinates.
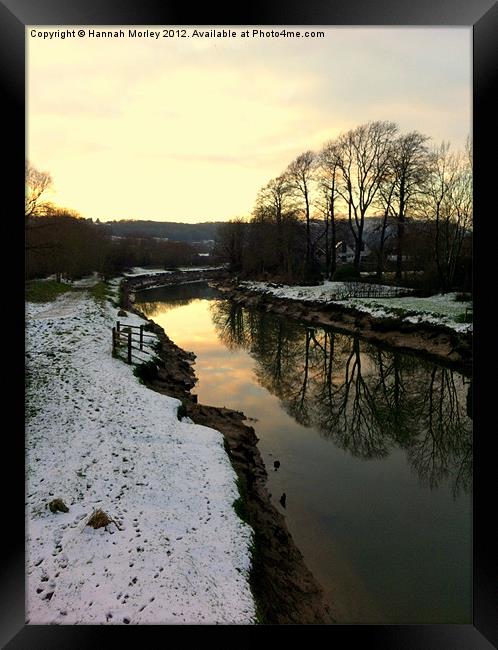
(439, 310)
(326, 292)
(141, 281)
(138, 270)
(98, 439)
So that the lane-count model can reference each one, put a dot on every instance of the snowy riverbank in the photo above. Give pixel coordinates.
(437, 310)
(98, 439)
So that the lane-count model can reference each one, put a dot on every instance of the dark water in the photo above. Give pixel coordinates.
(375, 451)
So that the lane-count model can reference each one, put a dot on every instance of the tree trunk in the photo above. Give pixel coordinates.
(399, 247)
(327, 248)
(437, 246)
(380, 259)
(401, 231)
(333, 252)
(357, 250)
(308, 233)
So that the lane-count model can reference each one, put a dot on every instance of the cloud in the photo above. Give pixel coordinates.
(189, 129)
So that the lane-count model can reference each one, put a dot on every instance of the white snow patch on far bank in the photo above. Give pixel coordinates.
(441, 309)
(138, 270)
(97, 438)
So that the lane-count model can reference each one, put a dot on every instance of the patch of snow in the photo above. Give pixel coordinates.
(159, 285)
(326, 292)
(441, 309)
(137, 270)
(87, 282)
(200, 268)
(98, 439)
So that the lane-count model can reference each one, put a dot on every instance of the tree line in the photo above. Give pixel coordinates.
(58, 241)
(176, 231)
(321, 198)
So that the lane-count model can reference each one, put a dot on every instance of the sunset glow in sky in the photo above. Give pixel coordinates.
(189, 129)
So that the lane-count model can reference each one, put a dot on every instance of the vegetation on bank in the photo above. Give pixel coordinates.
(101, 292)
(45, 290)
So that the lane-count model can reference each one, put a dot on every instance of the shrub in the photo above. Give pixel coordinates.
(100, 519)
(182, 411)
(58, 505)
(240, 503)
(146, 371)
(346, 272)
(463, 297)
(312, 278)
(99, 292)
(45, 290)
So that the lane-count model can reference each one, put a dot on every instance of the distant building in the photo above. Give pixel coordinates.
(345, 253)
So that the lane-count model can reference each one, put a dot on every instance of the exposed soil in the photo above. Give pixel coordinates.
(285, 590)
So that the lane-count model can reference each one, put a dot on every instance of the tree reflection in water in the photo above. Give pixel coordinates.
(151, 302)
(368, 401)
(152, 308)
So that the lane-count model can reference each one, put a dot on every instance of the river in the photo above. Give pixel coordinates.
(374, 446)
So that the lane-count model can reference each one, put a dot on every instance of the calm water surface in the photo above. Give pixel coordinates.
(375, 451)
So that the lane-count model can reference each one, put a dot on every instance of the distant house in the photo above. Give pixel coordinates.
(393, 258)
(345, 253)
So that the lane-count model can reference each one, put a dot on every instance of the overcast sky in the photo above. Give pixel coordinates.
(189, 129)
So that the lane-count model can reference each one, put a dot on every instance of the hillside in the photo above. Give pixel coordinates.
(187, 232)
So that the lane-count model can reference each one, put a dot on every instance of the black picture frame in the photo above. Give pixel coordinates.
(482, 16)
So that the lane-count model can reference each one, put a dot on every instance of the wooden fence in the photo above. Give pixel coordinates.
(132, 337)
(368, 290)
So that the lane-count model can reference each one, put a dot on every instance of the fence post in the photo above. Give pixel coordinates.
(129, 346)
(113, 339)
(141, 336)
(118, 326)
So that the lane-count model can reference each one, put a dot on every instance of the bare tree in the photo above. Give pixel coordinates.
(273, 201)
(230, 243)
(448, 204)
(410, 164)
(300, 173)
(37, 184)
(363, 159)
(328, 172)
(385, 202)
